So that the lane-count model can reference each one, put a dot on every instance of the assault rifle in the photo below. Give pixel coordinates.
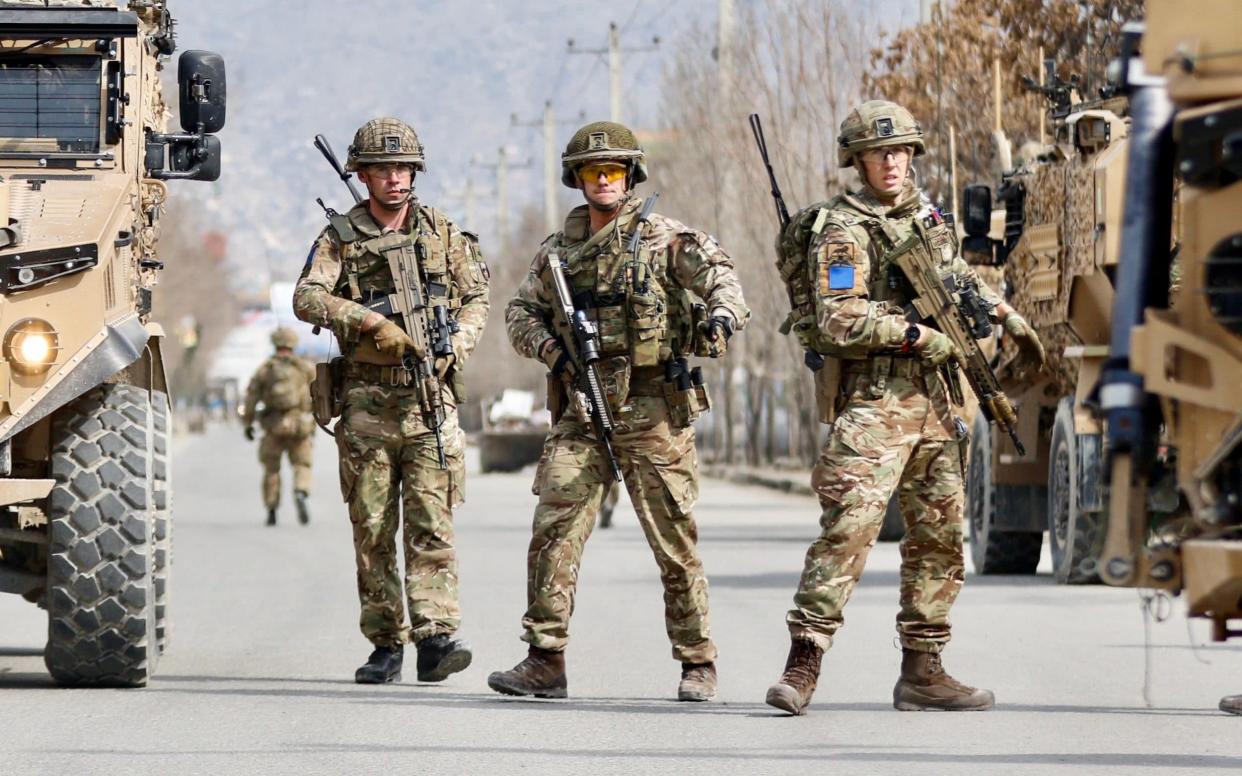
(419, 361)
(585, 355)
(955, 308)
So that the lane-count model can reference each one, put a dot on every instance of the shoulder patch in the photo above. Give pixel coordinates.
(835, 279)
(841, 254)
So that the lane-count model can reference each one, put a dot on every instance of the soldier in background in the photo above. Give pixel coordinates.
(895, 428)
(390, 467)
(642, 303)
(282, 386)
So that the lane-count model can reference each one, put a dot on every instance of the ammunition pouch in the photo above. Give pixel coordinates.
(827, 389)
(685, 405)
(558, 397)
(326, 399)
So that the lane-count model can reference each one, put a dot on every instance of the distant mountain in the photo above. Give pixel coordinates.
(455, 70)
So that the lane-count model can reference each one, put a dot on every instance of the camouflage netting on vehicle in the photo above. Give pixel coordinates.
(1040, 276)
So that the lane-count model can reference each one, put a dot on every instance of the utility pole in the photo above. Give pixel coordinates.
(469, 197)
(502, 165)
(614, 52)
(551, 176)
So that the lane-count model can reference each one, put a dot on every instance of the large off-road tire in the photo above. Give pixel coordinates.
(101, 587)
(1075, 532)
(162, 526)
(994, 551)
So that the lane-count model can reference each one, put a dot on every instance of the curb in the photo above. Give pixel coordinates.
(785, 483)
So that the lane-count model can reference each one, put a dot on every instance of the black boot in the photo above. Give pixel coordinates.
(271, 516)
(439, 656)
(383, 666)
(299, 500)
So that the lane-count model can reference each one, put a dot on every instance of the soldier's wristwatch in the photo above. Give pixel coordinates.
(912, 336)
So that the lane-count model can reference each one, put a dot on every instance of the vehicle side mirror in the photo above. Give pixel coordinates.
(201, 87)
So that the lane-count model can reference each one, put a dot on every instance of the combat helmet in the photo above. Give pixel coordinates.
(603, 141)
(385, 140)
(284, 337)
(875, 124)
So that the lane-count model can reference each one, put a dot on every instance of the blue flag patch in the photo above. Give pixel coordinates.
(840, 278)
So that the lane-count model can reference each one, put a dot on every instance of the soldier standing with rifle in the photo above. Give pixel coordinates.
(405, 293)
(613, 304)
(857, 313)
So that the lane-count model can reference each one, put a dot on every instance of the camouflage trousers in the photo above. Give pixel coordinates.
(899, 435)
(659, 464)
(272, 448)
(390, 472)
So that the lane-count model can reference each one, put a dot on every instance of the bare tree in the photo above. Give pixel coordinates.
(798, 63)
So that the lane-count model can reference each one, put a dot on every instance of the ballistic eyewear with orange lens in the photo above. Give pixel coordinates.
(611, 172)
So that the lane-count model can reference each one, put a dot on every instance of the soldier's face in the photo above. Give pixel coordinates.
(603, 185)
(389, 184)
(886, 169)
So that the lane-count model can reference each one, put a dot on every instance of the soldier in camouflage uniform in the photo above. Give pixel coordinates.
(895, 427)
(282, 386)
(387, 442)
(643, 304)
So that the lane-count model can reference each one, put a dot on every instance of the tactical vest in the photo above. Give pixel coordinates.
(868, 230)
(626, 296)
(365, 276)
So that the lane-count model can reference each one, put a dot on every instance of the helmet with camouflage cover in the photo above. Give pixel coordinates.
(875, 124)
(603, 141)
(284, 337)
(385, 140)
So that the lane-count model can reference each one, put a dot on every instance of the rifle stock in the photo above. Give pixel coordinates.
(939, 299)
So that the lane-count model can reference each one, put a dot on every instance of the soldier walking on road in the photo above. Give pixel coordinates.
(282, 386)
(389, 454)
(894, 427)
(643, 302)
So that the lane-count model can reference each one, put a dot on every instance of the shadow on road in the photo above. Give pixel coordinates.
(788, 580)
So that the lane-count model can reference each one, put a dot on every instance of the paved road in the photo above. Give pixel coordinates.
(258, 679)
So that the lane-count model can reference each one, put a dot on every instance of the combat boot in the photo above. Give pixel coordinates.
(299, 500)
(439, 656)
(792, 692)
(698, 682)
(382, 667)
(925, 686)
(1231, 704)
(541, 674)
(271, 516)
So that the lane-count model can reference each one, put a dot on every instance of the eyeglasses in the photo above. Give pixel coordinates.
(389, 169)
(877, 155)
(611, 172)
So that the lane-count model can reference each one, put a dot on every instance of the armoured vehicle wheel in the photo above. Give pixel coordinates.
(993, 551)
(101, 592)
(1075, 534)
(161, 493)
(894, 526)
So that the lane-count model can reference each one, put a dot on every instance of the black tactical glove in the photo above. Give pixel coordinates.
(557, 359)
(717, 330)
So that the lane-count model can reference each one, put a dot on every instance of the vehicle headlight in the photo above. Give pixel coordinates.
(31, 346)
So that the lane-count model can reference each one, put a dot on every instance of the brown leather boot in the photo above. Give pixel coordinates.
(792, 692)
(1231, 704)
(925, 686)
(698, 682)
(541, 674)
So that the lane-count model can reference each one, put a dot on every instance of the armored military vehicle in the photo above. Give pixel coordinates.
(85, 489)
(1169, 392)
(1054, 234)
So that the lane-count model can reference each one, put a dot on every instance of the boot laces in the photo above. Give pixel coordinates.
(801, 668)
